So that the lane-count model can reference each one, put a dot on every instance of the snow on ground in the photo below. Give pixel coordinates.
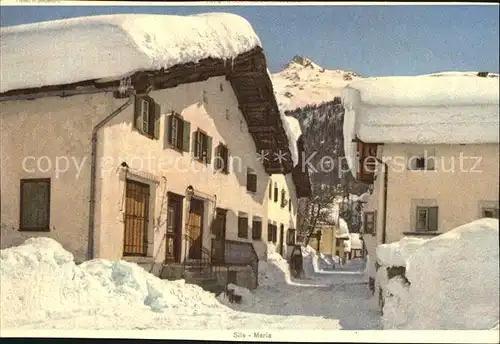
(42, 288)
(397, 253)
(453, 282)
(303, 83)
(113, 46)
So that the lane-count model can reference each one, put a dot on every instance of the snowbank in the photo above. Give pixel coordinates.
(40, 279)
(310, 261)
(370, 270)
(113, 46)
(454, 282)
(275, 270)
(397, 253)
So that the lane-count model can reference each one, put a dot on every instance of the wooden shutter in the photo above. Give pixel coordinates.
(156, 119)
(186, 132)
(209, 149)
(138, 114)
(269, 232)
(218, 156)
(242, 227)
(256, 230)
(226, 160)
(252, 182)
(169, 128)
(271, 190)
(196, 152)
(432, 212)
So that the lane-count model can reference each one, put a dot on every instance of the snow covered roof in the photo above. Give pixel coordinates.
(421, 110)
(293, 131)
(342, 230)
(113, 46)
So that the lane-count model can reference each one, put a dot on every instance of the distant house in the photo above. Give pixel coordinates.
(356, 249)
(124, 149)
(428, 148)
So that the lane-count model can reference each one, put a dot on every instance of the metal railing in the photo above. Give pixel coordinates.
(202, 260)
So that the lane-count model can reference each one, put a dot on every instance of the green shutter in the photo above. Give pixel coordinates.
(186, 133)
(209, 149)
(169, 128)
(196, 135)
(226, 160)
(433, 218)
(157, 119)
(138, 114)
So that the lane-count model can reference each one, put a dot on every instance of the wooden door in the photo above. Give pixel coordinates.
(135, 241)
(195, 229)
(219, 230)
(174, 230)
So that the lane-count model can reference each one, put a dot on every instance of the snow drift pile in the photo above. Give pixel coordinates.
(40, 279)
(451, 281)
(275, 270)
(309, 261)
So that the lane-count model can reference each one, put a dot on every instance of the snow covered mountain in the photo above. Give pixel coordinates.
(302, 82)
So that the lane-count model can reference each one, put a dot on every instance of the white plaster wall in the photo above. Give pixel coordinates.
(458, 191)
(282, 215)
(51, 131)
(121, 143)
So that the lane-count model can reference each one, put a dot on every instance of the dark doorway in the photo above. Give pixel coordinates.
(174, 229)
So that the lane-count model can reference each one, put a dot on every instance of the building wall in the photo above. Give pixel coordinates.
(52, 136)
(210, 106)
(279, 215)
(457, 188)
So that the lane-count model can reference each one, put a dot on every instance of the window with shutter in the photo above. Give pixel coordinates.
(256, 229)
(222, 158)
(283, 198)
(427, 219)
(147, 116)
(369, 223)
(275, 193)
(290, 205)
(251, 180)
(242, 227)
(202, 147)
(491, 212)
(176, 131)
(269, 232)
(35, 205)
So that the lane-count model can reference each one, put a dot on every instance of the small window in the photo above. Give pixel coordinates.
(275, 193)
(422, 162)
(290, 239)
(251, 180)
(147, 117)
(369, 223)
(222, 158)
(427, 219)
(242, 226)
(271, 190)
(178, 132)
(202, 147)
(284, 201)
(290, 205)
(35, 205)
(491, 212)
(256, 229)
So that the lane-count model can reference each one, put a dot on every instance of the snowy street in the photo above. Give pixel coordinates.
(116, 295)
